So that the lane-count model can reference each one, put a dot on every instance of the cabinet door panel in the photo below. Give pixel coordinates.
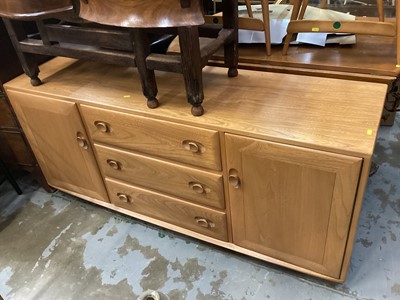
(51, 127)
(291, 203)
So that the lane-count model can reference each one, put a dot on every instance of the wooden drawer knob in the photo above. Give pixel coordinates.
(114, 164)
(124, 197)
(82, 142)
(203, 222)
(199, 188)
(102, 126)
(193, 146)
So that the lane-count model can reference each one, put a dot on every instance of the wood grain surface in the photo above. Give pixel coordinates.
(142, 14)
(340, 116)
(155, 137)
(169, 209)
(52, 128)
(292, 203)
(170, 178)
(23, 9)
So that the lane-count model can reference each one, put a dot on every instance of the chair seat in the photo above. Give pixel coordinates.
(143, 14)
(29, 10)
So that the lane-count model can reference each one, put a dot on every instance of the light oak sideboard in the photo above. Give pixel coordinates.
(275, 168)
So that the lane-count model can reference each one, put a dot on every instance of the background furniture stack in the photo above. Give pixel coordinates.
(14, 150)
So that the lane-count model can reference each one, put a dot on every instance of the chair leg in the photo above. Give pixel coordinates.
(303, 9)
(379, 4)
(294, 16)
(27, 60)
(267, 32)
(147, 76)
(9, 177)
(230, 21)
(192, 67)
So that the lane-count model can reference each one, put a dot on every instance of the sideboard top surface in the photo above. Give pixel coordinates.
(335, 115)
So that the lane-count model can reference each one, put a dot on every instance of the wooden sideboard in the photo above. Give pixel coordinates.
(14, 149)
(275, 168)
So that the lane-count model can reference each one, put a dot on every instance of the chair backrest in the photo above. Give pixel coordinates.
(33, 9)
(143, 13)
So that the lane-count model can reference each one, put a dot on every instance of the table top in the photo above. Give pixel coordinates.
(335, 115)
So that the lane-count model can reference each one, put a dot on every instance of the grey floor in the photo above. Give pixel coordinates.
(54, 246)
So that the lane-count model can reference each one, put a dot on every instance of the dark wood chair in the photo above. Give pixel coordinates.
(122, 32)
(186, 17)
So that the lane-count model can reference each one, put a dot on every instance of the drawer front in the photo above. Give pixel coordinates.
(187, 144)
(199, 186)
(168, 209)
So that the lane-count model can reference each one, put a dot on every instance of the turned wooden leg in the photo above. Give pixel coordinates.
(191, 67)
(230, 21)
(27, 60)
(147, 76)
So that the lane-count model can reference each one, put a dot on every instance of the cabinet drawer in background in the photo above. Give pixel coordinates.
(192, 184)
(168, 209)
(187, 144)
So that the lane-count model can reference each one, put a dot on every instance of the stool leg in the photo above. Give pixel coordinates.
(230, 21)
(9, 177)
(27, 60)
(147, 76)
(192, 67)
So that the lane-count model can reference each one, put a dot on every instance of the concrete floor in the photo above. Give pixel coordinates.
(54, 246)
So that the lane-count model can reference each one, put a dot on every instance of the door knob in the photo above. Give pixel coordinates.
(234, 179)
(82, 142)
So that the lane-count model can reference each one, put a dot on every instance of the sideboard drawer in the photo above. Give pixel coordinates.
(182, 143)
(195, 185)
(191, 216)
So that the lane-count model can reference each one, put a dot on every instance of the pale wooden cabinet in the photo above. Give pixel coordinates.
(291, 203)
(273, 172)
(58, 139)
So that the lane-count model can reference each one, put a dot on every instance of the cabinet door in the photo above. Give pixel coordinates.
(57, 137)
(291, 203)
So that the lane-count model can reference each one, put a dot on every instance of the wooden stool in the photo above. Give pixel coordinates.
(62, 33)
(185, 17)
